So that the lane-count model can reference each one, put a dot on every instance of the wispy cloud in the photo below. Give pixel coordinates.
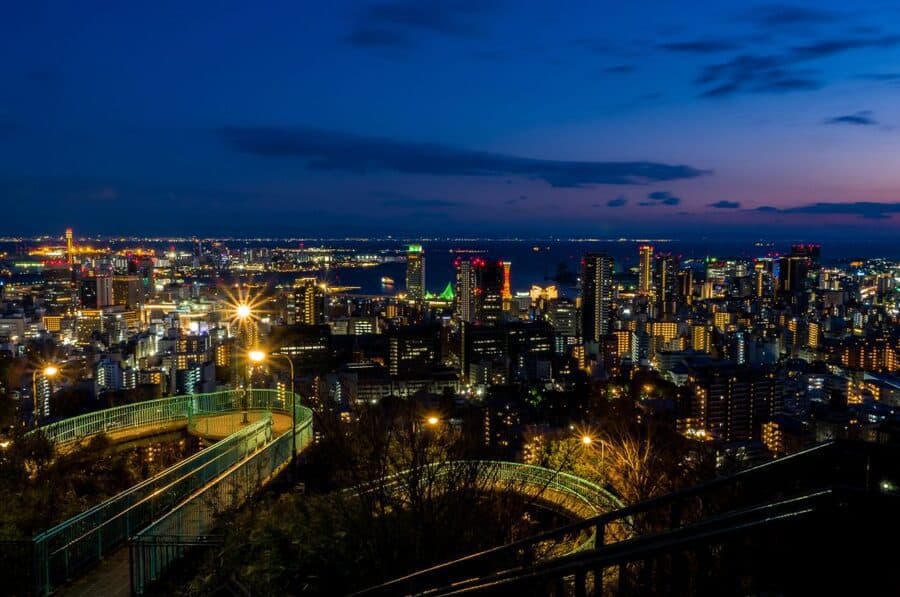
(620, 201)
(379, 38)
(393, 24)
(774, 16)
(701, 46)
(329, 150)
(885, 77)
(865, 209)
(725, 204)
(782, 72)
(660, 198)
(861, 118)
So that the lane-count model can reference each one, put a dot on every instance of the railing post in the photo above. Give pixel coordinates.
(580, 583)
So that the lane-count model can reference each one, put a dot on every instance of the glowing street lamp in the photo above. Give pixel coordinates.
(257, 356)
(586, 440)
(49, 372)
(432, 421)
(243, 311)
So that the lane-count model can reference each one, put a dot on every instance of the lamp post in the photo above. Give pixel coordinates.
(243, 313)
(49, 372)
(258, 356)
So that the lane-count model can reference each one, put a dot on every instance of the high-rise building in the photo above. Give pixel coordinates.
(466, 284)
(479, 291)
(104, 290)
(686, 286)
(666, 283)
(489, 298)
(127, 291)
(305, 303)
(731, 403)
(415, 273)
(645, 269)
(596, 295)
(701, 338)
(87, 293)
(96, 291)
(792, 274)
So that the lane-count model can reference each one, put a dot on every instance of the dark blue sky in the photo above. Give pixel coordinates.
(491, 117)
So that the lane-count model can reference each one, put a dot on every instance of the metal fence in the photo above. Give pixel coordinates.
(157, 547)
(120, 418)
(63, 551)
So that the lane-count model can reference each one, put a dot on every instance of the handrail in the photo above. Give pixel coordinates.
(564, 482)
(83, 538)
(194, 517)
(247, 432)
(610, 517)
(641, 547)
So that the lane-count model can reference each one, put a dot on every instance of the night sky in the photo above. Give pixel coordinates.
(700, 119)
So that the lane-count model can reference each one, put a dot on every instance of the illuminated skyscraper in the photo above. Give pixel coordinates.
(489, 298)
(596, 295)
(645, 269)
(665, 283)
(305, 302)
(479, 290)
(465, 289)
(415, 273)
(686, 286)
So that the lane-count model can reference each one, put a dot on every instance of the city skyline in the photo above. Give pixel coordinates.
(490, 118)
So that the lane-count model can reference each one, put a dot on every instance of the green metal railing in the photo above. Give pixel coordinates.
(65, 550)
(81, 541)
(155, 548)
(574, 494)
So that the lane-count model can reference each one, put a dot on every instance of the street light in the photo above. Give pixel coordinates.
(243, 311)
(49, 372)
(258, 356)
(432, 421)
(587, 440)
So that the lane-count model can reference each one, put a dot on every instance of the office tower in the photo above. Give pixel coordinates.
(759, 281)
(127, 291)
(104, 290)
(466, 284)
(645, 270)
(563, 316)
(305, 303)
(596, 295)
(489, 298)
(665, 283)
(415, 273)
(87, 294)
(96, 291)
(414, 350)
(686, 286)
(792, 274)
(479, 291)
(70, 248)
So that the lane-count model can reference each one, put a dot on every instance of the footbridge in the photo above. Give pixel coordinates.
(556, 489)
(251, 440)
